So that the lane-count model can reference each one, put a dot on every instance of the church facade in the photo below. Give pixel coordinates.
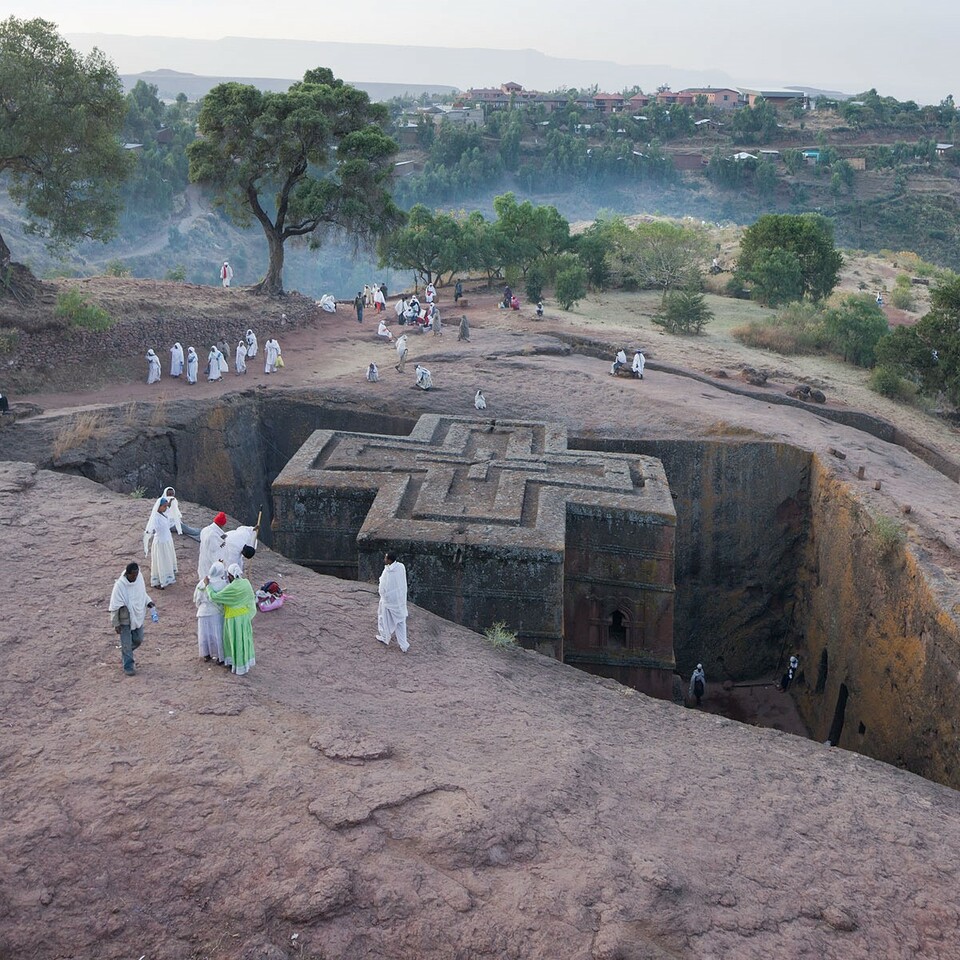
(498, 521)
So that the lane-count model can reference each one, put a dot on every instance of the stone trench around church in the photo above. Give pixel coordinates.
(764, 545)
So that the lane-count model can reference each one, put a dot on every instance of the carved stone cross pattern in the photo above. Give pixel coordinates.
(480, 511)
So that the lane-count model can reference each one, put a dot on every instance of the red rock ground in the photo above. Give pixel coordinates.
(345, 801)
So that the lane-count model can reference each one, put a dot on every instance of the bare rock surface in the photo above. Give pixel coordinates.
(344, 800)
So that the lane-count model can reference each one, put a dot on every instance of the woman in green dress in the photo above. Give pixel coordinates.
(239, 608)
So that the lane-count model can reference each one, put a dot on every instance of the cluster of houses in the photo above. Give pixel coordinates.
(470, 109)
(509, 95)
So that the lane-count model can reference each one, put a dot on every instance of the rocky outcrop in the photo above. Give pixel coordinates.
(346, 801)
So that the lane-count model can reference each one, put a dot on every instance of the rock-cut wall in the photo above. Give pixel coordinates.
(881, 650)
(741, 519)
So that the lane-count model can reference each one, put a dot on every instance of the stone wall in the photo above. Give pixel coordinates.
(741, 519)
(873, 621)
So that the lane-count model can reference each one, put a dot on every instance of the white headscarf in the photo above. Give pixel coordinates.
(173, 509)
(235, 571)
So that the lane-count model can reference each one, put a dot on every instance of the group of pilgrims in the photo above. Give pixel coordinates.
(224, 599)
(217, 364)
(410, 311)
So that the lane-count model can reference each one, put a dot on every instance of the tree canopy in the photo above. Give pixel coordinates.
(431, 244)
(808, 237)
(315, 156)
(657, 254)
(60, 117)
(929, 352)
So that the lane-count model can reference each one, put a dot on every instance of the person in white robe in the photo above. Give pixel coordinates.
(214, 357)
(241, 357)
(210, 614)
(226, 274)
(639, 362)
(436, 324)
(401, 307)
(176, 360)
(392, 609)
(193, 365)
(271, 351)
(239, 545)
(424, 378)
(252, 345)
(212, 537)
(430, 293)
(373, 374)
(366, 294)
(698, 684)
(328, 303)
(379, 301)
(153, 367)
(619, 361)
(173, 512)
(401, 352)
(382, 330)
(479, 402)
(163, 555)
(129, 602)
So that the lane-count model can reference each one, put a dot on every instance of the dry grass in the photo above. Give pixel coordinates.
(80, 430)
(158, 416)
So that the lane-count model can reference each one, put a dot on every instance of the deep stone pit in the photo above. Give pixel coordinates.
(773, 555)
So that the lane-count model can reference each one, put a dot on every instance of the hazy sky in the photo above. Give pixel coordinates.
(851, 45)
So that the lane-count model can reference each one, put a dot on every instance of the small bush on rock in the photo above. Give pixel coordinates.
(683, 312)
(74, 307)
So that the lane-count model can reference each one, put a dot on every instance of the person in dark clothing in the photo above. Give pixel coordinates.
(358, 306)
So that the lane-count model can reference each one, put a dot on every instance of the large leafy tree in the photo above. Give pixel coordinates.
(431, 244)
(60, 117)
(314, 157)
(529, 233)
(658, 254)
(808, 237)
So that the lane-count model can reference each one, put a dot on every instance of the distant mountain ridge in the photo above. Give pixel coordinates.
(408, 67)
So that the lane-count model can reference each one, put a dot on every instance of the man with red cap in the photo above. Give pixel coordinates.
(212, 537)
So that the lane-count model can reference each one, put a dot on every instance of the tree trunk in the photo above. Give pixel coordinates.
(4, 254)
(272, 283)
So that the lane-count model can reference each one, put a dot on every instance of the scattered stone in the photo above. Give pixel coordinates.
(906, 508)
(756, 378)
(861, 472)
(876, 485)
(839, 454)
(807, 394)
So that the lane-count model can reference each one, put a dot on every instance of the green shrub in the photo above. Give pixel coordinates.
(571, 286)
(855, 327)
(683, 312)
(888, 533)
(795, 329)
(74, 307)
(116, 268)
(500, 636)
(9, 338)
(178, 274)
(888, 383)
(537, 279)
(902, 298)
